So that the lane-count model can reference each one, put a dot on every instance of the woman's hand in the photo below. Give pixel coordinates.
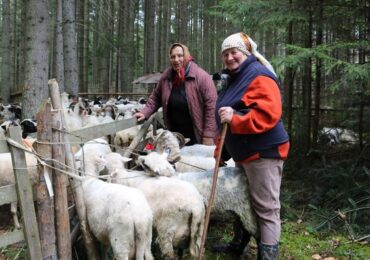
(226, 114)
(139, 116)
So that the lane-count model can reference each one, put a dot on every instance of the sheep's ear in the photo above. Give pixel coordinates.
(180, 138)
(187, 140)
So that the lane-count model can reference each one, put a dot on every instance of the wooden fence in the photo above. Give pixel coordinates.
(22, 191)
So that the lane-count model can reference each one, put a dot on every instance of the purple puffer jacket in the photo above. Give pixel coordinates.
(201, 95)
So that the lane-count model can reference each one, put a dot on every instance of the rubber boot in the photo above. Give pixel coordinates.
(268, 252)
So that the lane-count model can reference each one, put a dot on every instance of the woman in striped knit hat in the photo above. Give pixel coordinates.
(251, 105)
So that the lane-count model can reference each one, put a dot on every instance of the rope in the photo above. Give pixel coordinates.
(84, 140)
(72, 173)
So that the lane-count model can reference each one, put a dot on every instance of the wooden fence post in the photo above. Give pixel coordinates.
(60, 191)
(25, 197)
(143, 130)
(45, 203)
(75, 184)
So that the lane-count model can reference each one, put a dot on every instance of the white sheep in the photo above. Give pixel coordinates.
(177, 206)
(153, 168)
(117, 215)
(124, 137)
(196, 157)
(232, 198)
(7, 177)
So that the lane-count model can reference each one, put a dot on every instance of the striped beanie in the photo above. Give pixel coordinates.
(246, 45)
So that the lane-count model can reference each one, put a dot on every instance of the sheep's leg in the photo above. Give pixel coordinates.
(121, 243)
(143, 239)
(13, 210)
(165, 244)
(196, 230)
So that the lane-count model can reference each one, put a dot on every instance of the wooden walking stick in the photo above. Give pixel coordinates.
(213, 192)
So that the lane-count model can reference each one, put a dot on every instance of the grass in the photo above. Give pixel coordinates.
(300, 241)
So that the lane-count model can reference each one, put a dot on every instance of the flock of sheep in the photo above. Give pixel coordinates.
(160, 207)
(162, 203)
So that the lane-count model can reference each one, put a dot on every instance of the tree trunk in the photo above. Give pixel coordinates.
(149, 37)
(36, 68)
(307, 87)
(15, 50)
(206, 37)
(58, 60)
(182, 17)
(126, 52)
(82, 25)
(71, 84)
(289, 80)
(22, 45)
(318, 77)
(104, 44)
(5, 53)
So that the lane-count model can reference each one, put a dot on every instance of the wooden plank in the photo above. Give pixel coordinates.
(60, 190)
(89, 133)
(139, 136)
(10, 238)
(4, 146)
(25, 196)
(113, 94)
(8, 194)
(45, 203)
(90, 245)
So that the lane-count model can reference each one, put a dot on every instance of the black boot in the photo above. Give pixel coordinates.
(268, 252)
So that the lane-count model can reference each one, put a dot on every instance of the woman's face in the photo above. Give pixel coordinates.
(232, 58)
(177, 58)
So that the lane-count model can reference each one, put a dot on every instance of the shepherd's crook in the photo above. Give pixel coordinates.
(213, 191)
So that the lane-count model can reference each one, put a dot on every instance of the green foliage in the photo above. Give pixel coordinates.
(256, 15)
(13, 252)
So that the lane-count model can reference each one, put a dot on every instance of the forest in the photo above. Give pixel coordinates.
(320, 50)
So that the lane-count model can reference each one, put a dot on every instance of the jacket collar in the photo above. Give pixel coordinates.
(189, 71)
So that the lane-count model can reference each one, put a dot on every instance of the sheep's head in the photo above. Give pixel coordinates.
(156, 164)
(115, 161)
(167, 141)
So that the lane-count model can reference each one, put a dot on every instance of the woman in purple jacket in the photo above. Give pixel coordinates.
(188, 97)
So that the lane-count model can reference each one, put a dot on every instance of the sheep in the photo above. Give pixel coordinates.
(177, 206)
(197, 157)
(7, 178)
(117, 215)
(150, 164)
(10, 112)
(232, 195)
(334, 136)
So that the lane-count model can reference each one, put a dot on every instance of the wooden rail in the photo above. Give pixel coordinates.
(22, 193)
(113, 94)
